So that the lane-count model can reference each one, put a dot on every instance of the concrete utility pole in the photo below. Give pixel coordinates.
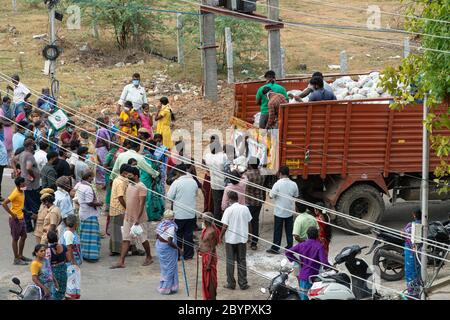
(424, 196)
(209, 47)
(229, 46)
(180, 51)
(283, 63)
(275, 62)
(51, 14)
(14, 5)
(343, 62)
(406, 47)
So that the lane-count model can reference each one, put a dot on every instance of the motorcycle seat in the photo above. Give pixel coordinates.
(341, 278)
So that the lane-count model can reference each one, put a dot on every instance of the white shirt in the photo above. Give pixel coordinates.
(73, 158)
(136, 95)
(216, 163)
(20, 92)
(41, 158)
(183, 192)
(282, 188)
(236, 217)
(168, 233)
(85, 195)
(68, 237)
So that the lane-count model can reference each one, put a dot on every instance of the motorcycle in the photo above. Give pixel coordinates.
(389, 257)
(334, 285)
(278, 290)
(31, 292)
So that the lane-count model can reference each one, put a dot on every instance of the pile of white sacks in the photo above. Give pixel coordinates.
(345, 88)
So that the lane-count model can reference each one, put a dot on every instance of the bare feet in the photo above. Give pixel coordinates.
(117, 266)
(147, 262)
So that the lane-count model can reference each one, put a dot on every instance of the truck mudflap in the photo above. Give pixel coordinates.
(250, 141)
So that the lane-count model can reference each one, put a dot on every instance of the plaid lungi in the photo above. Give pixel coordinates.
(90, 238)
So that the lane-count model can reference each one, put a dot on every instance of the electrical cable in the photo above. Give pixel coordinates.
(262, 188)
(348, 20)
(335, 34)
(196, 211)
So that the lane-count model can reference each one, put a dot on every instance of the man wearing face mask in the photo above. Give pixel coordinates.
(133, 92)
(30, 172)
(70, 135)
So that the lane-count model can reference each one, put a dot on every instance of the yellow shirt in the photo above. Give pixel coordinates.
(118, 189)
(127, 129)
(35, 268)
(17, 199)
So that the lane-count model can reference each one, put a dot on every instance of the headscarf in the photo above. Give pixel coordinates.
(166, 223)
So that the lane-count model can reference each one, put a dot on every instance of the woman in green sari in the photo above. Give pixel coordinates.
(155, 203)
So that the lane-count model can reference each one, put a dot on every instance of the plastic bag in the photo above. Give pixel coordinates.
(73, 289)
(136, 230)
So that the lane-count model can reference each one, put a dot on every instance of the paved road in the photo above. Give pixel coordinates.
(136, 282)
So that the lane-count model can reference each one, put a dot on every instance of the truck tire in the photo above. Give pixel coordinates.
(362, 201)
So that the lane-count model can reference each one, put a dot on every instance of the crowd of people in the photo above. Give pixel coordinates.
(132, 159)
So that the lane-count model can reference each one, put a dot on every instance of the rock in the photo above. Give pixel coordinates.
(120, 65)
(176, 98)
(141, 62)
(380, 90)
(128, 64)
(334, 67)
(84, 48)
(358, 96)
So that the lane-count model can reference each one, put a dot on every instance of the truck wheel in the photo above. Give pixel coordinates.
(362, 201)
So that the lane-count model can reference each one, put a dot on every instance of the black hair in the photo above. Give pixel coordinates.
(43, 145)
(6, 99)
(71, 220)
(270, 75)
(51, 155)
(28, 143)
(124, 168)
(134, 145)
(157, 136)
(131, 160)
(37, 248)
(215, 147)
(84, 134)
(233, 196)
(181, 168)
(52, 237)
(74, 145)
(50, 199)
(312, 232)
(136, 75)
(266, 90)
(82, 151)
(18, 181)
(317, 81)
(253, 162)
(134, 171)
(417, 213)
(164, 100)
(284, 170)
(317, 74)
(235, 177)
(128, 104)
(62, 152)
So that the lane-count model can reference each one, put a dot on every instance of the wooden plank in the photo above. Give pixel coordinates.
(346, 138)
(387, 154)
(307, 139)
(326, 133)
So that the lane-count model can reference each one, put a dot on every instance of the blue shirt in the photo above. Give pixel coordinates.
(17, 141)
(63, 202)
(313, 250)
(321, 95)
(3, 155)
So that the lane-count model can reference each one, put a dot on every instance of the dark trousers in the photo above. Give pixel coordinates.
(278, 231)
(236, 252)
(32, 203)
(263, 119)
(185, 236)
(217, 196)
(1, 178)
(254, 224)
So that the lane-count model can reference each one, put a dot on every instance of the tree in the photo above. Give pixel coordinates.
(133, 21)
(427, 72)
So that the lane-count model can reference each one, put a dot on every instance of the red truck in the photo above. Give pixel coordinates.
(347, 153)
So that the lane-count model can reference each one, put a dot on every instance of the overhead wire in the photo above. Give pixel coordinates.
(268, 190)
(341, 35)
(202, 214)
(348, 20)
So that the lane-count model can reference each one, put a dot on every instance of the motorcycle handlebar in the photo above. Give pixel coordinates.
(14, 291)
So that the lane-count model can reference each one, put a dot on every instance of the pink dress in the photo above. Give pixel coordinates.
(146, 122)
(8, 133)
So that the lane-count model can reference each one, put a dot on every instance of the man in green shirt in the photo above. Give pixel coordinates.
(262, 100)
(302, 223)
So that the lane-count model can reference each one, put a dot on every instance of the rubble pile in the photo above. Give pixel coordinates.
(367, 87)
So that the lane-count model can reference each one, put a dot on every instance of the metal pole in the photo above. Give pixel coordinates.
(209, 48)
(274, 39)
(229, 46)
(180, 51)
(424, 196)
(51, 13)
